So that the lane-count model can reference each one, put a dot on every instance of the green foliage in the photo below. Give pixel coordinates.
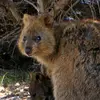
(14, 76)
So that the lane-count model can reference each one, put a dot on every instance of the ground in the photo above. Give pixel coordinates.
(17, 91)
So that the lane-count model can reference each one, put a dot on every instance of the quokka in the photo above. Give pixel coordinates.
(70, 51)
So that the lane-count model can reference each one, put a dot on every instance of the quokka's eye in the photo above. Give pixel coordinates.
(37, 38)
(24, 38)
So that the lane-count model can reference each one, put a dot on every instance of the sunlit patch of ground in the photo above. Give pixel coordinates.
(17, 91)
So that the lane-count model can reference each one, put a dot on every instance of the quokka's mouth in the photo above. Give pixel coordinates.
(28, 51)
(29, 54)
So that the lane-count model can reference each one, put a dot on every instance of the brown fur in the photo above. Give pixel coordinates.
(40, 87)
(67, 50)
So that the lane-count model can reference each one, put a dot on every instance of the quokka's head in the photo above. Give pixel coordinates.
(36, 38)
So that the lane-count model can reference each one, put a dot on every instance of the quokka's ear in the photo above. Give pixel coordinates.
(27, 18)
(47, 20)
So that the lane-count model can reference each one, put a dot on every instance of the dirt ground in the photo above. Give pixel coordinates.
(17, 91)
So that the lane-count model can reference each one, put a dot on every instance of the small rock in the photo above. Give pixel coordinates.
(2, 95)
(1, 89)
(26, 88)
(22, 90)
(17, 84)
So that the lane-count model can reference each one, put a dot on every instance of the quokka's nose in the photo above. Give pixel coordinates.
(28, 50)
